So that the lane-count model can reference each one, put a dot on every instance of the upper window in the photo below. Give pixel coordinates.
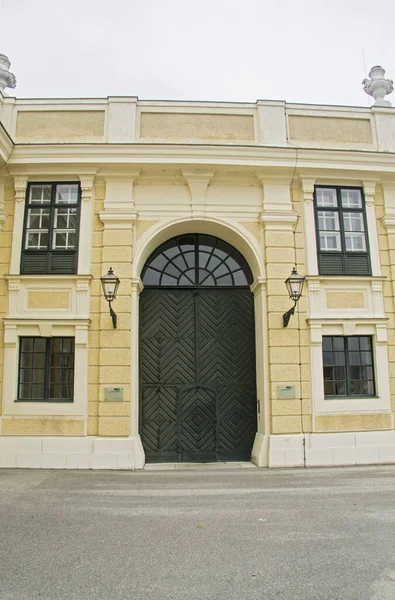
(197, 260)
(50, 241)
(46, 369)
(341, 231)
(348, 366)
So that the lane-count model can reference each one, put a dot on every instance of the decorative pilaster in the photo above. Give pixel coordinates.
(259, 289)
(83, 299)
(86, 188)
(309, 225)
(86, 224)
(389, 206)
(378, 301)
(82, 369)
(3, 214)
(316, 363)
(369, 188)
(116, 361)
(314, 293)
(13, 297)
(382, 336)
(388, 220)
(198, 181)
(20, 185)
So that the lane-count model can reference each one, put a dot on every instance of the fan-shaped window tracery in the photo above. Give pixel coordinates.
(196, 260)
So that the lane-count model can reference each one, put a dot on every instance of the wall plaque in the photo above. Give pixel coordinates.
(114, 394)
(286, 391)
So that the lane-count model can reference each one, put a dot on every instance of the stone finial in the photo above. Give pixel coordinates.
(7, 79)
(377, 86)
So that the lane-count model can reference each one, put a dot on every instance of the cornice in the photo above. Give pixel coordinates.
(6, 145)
(344, 280)
(200, 154)
(278, 220)
(13, 278)
(389, 222)
(118, 217)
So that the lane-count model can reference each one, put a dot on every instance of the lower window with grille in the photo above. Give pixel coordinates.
(46, 369)
(348, 366)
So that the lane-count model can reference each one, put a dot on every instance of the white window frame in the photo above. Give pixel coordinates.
(14, 330)
(352, 405)
(84, 242)
(369, 188)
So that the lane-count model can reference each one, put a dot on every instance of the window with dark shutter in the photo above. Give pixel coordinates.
(50, 240)
(341, 231)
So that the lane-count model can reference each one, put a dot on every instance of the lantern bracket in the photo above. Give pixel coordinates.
(287, 315)
(113, 316)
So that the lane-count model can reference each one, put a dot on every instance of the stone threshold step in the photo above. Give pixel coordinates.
(198, 466)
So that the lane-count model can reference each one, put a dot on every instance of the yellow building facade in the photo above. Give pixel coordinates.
(86, 185)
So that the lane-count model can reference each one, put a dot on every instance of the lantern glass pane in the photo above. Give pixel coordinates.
(294, 285)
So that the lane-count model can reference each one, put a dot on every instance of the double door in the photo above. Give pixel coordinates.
(197, 374)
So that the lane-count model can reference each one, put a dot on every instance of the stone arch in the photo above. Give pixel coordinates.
(242, 239)
(229, 231)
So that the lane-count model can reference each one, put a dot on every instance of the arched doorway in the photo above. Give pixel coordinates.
(197, 352)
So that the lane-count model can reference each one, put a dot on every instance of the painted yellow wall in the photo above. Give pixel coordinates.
(48, 300)
(191, 126)
(352, 422)
(109, 349)
(42, 426)
(60, 126)
(345, 300)
(288, 350)
(330, 129)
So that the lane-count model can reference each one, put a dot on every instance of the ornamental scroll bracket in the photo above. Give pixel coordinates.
(198, 181)
(20, 185)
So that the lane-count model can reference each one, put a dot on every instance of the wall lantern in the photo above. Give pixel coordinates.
(110, 284)
(294, 285)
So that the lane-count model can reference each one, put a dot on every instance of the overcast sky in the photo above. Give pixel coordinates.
(235, 50)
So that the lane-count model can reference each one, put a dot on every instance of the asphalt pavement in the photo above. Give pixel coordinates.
(197, 534)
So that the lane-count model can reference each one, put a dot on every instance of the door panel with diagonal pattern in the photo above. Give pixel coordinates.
(198, 424)
(197, 374)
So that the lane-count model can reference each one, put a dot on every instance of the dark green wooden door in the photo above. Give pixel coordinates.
(197, 352)
(197, 375)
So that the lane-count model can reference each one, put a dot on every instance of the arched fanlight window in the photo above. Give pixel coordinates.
(196, 260)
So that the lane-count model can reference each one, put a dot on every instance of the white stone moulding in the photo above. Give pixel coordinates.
(71, 452)
(370, 288)
(205, 155)
(332, 449)
(275, 451)
(76, 286)
(13, 330)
